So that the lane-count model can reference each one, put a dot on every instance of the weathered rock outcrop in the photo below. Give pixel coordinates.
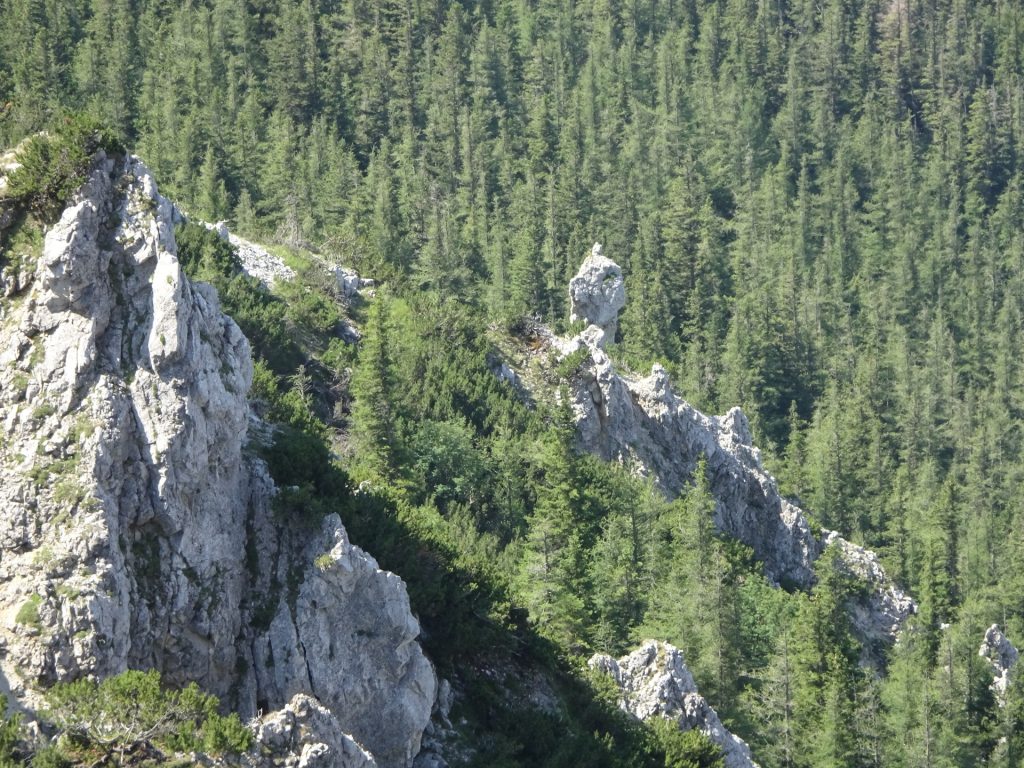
(1003, 656)
(260, 263)
(350, 282)
(270, 269)
(256, 260)
(597, 293)
(655, 682)
(643, 423)
(304, 734)
(350, 637)
(135, 529)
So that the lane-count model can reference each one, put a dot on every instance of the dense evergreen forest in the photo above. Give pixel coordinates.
(817, 206)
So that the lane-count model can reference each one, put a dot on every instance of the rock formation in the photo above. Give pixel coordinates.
(350, 282)
(304, 734)
(597, 293)
(260, 263)
(350, 638)
(1002, 655)
(655, 682)
(643, 423)
(256, 260)
(136, 530)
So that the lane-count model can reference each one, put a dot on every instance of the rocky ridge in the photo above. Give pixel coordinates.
(654, 682)
(642, 423)
(136, 529)
(268, 268)
(256, 260)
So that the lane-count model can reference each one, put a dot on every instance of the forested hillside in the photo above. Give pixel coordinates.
(818, 209)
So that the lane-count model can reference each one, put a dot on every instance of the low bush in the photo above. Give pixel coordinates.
(134, 713)
(54, 165)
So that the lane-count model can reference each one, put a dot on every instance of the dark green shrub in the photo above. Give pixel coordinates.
(53, 166)
(572, 362)
(225, 735)
(10, 730)
(203, 255)
(687, 749)
(50, 757)
(51, 170)
(263, 317)
(132, 709)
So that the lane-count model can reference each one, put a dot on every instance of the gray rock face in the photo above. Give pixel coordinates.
(643, 424)
(135, 530)
(597, 293)
(655, 682)
(1002, 655)
(349, 638)
(258, 261)
(350, 283)
(304, 734)
(133, 409)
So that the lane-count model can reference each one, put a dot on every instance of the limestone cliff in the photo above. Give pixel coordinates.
(643, 423)
(654, 682)
(136, 529)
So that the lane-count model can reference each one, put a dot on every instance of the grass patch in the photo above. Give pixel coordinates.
(82, 429)
(323, 562)
(296, 258)
(42, 411)
(41, 475)
(21, 245)
(69, 492)
(20, 385)
(68, 593)
(28, 614)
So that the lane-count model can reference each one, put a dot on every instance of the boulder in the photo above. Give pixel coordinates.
(350, 283)
(304, 734)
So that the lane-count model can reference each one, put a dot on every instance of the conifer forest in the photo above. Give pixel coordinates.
(818, 210)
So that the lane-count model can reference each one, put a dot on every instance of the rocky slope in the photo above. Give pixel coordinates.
(655, 682)
(136, 530)
(644, 424)
(256, 260)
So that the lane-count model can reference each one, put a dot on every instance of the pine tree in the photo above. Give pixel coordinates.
(212, 193)
(554, 566)
(374, 428)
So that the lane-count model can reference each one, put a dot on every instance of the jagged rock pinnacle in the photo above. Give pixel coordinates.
(598, 293)
(644, 422)
(654, 682)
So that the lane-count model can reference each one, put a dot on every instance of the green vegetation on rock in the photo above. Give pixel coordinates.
(54, 165)
(126, 717)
